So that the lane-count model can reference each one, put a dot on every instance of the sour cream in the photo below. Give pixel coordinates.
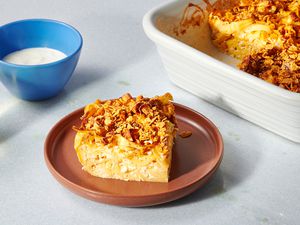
(34, 56)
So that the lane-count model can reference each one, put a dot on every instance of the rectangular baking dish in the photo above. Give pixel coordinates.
(213, 77)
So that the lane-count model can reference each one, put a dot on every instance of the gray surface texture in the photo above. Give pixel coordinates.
(258, 180)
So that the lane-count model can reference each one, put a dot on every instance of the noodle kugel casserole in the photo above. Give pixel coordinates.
(263, 34)
(127, 138)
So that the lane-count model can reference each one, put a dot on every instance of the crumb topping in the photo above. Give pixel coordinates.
(276, 66)
(141, 120)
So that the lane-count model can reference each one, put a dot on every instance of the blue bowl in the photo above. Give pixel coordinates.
(38, 82)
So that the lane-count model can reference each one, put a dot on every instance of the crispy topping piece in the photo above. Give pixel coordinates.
(185, 134)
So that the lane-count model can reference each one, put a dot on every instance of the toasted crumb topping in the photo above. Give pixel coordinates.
(264, 34)
(141, 120)
(276, 66)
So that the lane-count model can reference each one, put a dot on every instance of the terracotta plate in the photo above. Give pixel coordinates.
(195, 159)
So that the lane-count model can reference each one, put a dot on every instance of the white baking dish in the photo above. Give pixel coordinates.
(215, 79)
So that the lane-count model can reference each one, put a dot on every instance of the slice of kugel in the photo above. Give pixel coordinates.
(127, 138)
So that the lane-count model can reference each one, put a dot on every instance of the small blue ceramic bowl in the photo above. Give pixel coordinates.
(38, 82)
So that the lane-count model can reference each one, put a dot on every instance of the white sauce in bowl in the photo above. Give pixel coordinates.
(34, 56)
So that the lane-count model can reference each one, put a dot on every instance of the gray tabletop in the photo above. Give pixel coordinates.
(258, 180)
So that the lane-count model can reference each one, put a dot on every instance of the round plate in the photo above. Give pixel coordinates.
(195, 159)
